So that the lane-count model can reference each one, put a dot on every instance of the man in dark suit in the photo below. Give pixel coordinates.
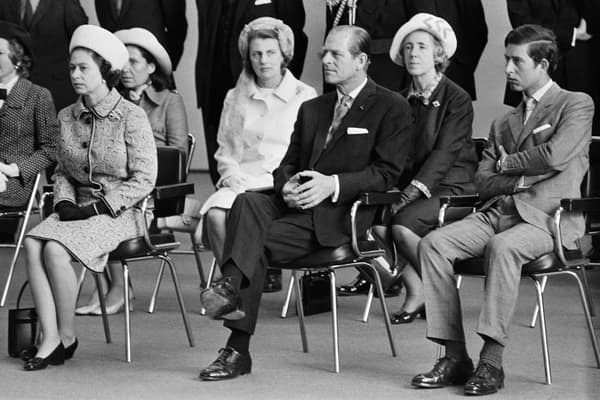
(567, 19)
(50, 24)
(537, 154)
(164, 18)
(219, 64)
(357, 138)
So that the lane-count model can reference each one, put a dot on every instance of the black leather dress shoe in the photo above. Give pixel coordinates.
(28, 353)
(228, 365)
(358, 286)
(403, 317)
(446, 371)
(272, 281)
(222, 300)
(57, 357)
(487, 379)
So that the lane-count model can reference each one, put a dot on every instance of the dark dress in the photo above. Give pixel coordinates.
(444, 159)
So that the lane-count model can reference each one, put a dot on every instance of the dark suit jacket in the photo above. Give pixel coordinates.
(555, 139)
(575, 68)
(468, 21)
(372, 161)
(28, 134)
(444, 152)
(52, 26)
(164, 18)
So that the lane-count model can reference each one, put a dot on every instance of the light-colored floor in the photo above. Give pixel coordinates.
(164, 367)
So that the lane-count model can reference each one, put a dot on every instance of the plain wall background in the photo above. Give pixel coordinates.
(489, 76)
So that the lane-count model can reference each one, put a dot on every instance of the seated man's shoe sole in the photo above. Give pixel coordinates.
(446, 372)
(485, 380)
(218, 306)
(230, 364)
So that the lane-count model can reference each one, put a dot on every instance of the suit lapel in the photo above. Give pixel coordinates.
(16, 97)
(42, 8)
(124, 7)
(515, 122)
(324, 121)
(541, 110)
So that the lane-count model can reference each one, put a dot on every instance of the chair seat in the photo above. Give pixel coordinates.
(137, 247)
(547, 263)
(327, 256)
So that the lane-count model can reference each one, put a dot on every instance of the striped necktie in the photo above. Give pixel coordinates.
(338, 114)
(530, 103)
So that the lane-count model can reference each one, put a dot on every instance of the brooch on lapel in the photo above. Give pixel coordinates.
(115, 115)
(436, 103)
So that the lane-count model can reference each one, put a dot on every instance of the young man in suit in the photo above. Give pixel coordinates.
(537, 154)
(357, 138)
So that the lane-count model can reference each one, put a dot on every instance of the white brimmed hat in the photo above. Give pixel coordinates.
(144, 39)
(436, 26)
(102, 42)
(285, 35)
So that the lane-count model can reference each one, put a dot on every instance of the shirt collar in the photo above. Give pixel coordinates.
(285, 90)
(540, 92)
(105, 107)
(353, 93)
(155, 96)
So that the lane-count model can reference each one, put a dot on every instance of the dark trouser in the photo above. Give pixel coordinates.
(261, 227)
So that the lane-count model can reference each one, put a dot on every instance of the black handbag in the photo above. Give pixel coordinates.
(22, 327)
(315, 289)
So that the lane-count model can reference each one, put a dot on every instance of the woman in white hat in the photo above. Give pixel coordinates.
(256, 123)
(145, 81)
(106, 164)
(444, 160)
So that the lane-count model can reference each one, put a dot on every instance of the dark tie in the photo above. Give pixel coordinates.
(118, 4)
(27, 14)
(338, 114)
(3, 94)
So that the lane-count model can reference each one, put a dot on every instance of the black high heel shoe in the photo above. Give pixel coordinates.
(70, 350)
(404, 317)
(57, 357)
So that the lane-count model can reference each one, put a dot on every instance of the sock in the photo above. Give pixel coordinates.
(491, 353)
(239, 340)
(456, 350)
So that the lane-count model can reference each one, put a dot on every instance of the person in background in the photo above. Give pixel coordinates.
(145, 81)
(537, 154)
(164, 18)
(444, 160)
(256, 123)
(106, 165)
(50, 24)
(28, 125)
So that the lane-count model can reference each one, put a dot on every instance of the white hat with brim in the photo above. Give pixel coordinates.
(144, 39)
(102, 42)
(436, 26)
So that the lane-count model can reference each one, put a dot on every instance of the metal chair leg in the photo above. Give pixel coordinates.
(198, 262)
(288, 297)
(334, 321)
(586, 286)
(211, 274)
(184, 313)
(384, 309)
(127, 319)
(159, 277)
(537, 306)
(100, 291)
(367, 309)
(295, 284)
(543, 331)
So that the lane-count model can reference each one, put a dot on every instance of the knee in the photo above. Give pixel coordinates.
(401, 234)
(498, 246)
(55, 253)
(430, 242)
(215, 219)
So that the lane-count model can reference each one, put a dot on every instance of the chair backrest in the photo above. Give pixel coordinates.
(480, 144)
(171, 170)
(191, 149)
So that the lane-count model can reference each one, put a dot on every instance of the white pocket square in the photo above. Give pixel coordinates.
(356, 131)
(541, 128)
(261, 2)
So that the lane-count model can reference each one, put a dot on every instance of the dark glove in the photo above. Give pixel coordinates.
(68, 211)
(408, 195)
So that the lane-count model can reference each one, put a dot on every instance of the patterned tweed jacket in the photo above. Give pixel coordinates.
(28, 135)
(105, 152)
